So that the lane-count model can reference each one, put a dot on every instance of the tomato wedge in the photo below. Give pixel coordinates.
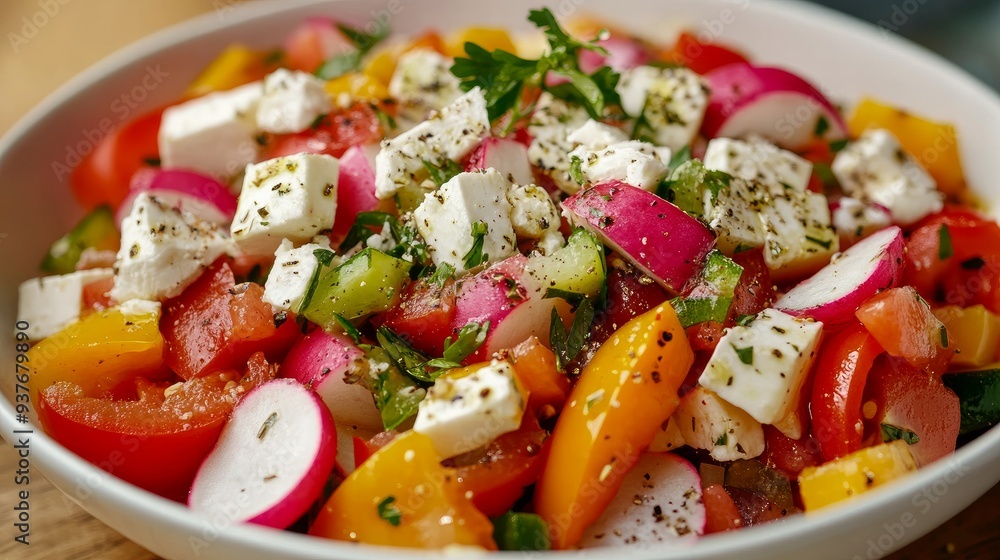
(904, 325)
(838, 386)
(331, 135)
(701, 56)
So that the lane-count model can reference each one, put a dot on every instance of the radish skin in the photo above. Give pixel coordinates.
(771, 102)
(272, 460)
(653, 234)
(833, 294)
(355, 188)
(507, 156)
(192, 192)
(659, 503)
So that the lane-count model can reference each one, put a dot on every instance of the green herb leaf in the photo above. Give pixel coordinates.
(318, 121)
(892, 433)
(441, 275)
(475, 256)
(365, 224)
(572, 298)
(469, 339)
(349, 329)
(324, 256)
(344, 63)
(397, 396)
(521, 531)
(152, 161)
(388, 511)
(576, 170)
(441, 174)
(409, 359)
(722, 440)
(944, 336)
(838, 145)
(744, 354)
(680, 157)
(745, 320)
(567, 344)
(824, 243)
(945, 250)
(822, 125)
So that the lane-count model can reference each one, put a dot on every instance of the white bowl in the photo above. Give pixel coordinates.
(846, 58)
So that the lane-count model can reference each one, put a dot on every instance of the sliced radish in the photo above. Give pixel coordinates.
(499, 296)
(355, 187)
(193, 192)
(771, 102)
(507, 156)
(272, 460)
(623, 53)
(347, 435)
(659, 502)
(656, 236)
(324, 362)
(833, 294)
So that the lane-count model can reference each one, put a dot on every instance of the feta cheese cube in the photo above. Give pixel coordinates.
(214, 134)
(291, 274)
(595, 135)
(292, 100)
(533, 215)
(875, 168)
(50, 303)
(725, 431)
(759, 160)
(163, 250)
(760, 367)
(854, 219)
(670, 101)
(550, 127)
(668, 437)
(450, 134)
(465, 413)
(734, 215)
(798, 236)
(423, 82)
(292, 197)
(639, 164)
(445, 218)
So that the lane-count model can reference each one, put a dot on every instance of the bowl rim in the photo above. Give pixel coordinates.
(974, 456)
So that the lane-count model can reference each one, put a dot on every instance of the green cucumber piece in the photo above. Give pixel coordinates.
(979, 397)
(521, 531)
(578, 267)
(97, 229)
(711, 299)
(367, 283)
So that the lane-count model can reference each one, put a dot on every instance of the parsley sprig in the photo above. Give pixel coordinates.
(347, 62)
(504, 76)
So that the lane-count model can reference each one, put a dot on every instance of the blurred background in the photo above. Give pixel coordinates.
(74, 34)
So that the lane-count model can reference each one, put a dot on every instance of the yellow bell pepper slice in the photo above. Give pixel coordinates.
(235, 66)
(622, 397)
(934, 145)
(975, 331)
(358, 86)
(490, 38)
(402, 496)
(100, 351)
(381, 65)
(854, 474)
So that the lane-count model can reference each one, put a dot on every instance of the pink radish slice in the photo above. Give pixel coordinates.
(346, 462)
(658, 503)
(193, 192)
(623, 54)
(653, 234)
(833, 294)
(272, 460)
(513, 319)
(323, 361)
(771, 102)
(355, 188)
(507, 156)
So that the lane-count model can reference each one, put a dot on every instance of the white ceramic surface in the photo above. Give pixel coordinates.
(845, 58)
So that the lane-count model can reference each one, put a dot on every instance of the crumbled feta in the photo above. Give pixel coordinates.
(875, 168)
(668, 437)
(710, 423)
(670, 102)
(798, 236)
(445, 218)
(50, 303)
(760, 367)
(595, 135)
(636, 163)
(163, 250)
(550, 126)
(293, 269)
(448, 135)
(734, 215)
(423, 82)
(759, 160)
(533, 214)
(854, 219)
(214, 134)
(465, 413)
(292, 101)
(292, 197)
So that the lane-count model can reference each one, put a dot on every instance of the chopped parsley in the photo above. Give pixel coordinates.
(744, 354)
(576, 170)
(945, 249)
(723, 440)
(349, 329)
(475, 256)
(567, 344)
(388, 511)
(944, 336)
(822, 125)
(892, 433)
(441, 174)
(824, 243)
(347, 62)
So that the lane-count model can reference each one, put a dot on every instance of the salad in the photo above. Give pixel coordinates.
(567, 290)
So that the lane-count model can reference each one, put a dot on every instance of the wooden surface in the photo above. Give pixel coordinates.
(79, 34)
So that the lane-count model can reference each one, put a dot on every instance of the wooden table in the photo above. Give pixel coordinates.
(77, 35)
